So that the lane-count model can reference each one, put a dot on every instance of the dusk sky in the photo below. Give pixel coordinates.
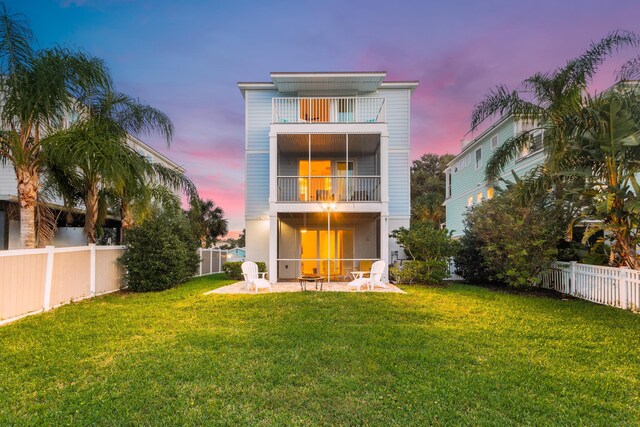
(185, 57)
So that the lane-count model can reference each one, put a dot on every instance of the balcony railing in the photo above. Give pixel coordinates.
(329, 110)
(328, 188)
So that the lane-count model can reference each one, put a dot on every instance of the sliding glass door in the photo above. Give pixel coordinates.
(324, 251)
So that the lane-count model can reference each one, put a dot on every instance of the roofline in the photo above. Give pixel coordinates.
(325, 73)
(158, 154)
(479, 137)
(408, 84)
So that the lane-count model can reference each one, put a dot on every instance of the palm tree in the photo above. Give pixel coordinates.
(588, 145)
(547, 101)
(207, 221)
(94, 156)
(38, 89)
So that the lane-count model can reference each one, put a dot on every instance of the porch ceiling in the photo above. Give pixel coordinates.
(320, 218)
(328, 143)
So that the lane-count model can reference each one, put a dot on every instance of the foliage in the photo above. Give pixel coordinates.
(469, 259)
(431, 272)
(590, 141)
(428, 187)
(207, 221)
(38, 89)
(517, 242)
(422, 241)
(233, 269)
(429, 248)
(161, 252)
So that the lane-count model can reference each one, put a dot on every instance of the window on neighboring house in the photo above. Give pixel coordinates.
(479, 197)
(536, 142)
(494, 142)
(470, 201)
(478, 158)
(449, 176)
(490, 193)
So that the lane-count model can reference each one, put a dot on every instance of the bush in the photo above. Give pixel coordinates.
(161, 252)
(469, 260)
(430, 272)
(429, 248)
(517, 242)
(233, 269)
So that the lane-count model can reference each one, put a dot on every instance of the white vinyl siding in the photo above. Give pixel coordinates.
(399, 203)
(7, 180)
(397, 101)
(257, 185)
(258, 120)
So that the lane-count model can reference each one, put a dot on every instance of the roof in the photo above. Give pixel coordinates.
(475, 140)
(323, 81)
(158, 154)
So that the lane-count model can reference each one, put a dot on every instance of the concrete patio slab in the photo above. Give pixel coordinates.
(239, 288)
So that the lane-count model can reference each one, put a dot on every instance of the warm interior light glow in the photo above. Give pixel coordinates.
(303, 230)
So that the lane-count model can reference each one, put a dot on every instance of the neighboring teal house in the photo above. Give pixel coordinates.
(466, 183)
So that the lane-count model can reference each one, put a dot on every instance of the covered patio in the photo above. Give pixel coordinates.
(290, 286)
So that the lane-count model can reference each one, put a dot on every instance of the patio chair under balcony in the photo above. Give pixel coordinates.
(374, 279)
(254, 278)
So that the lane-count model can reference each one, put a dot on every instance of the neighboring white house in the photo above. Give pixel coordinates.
(65, 235)
(327, 171)
(466, 184)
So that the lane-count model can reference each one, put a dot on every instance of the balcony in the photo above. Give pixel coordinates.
(329, 110)
(328, 168)
(329, 188)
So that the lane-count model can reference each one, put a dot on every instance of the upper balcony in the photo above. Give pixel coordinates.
(329, 110)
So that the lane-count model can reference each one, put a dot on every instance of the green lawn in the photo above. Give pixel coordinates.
(440, 356)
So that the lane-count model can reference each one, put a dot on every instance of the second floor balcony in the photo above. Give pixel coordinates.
(329, 110)
(328, 168)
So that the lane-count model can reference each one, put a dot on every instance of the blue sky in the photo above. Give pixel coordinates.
(185, 57)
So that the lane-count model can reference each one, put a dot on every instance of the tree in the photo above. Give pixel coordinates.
(207, 221)
(428, 183)
(102, 160)
(586, 141)
(38, 89)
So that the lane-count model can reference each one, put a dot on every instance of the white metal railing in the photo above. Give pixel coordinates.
(212, 260)
(336, 269)
(328, 188)
(617, 287)
(329, 110)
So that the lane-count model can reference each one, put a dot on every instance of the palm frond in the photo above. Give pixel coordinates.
(506, 152)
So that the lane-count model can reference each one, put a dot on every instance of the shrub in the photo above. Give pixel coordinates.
(429, 248)
(233, 269)
(161, 252)
(469, 260)
(430, 272)
(517, 242)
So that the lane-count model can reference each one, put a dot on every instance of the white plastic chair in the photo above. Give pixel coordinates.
(374, 279)
(254, 278)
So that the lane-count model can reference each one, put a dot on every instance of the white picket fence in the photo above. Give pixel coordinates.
(617, 287)
(36, 280)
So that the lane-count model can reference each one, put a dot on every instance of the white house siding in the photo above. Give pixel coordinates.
(7, 180)
(397, 104)
(470, 181)
(399, 182)
(257, 185)
(258, 118)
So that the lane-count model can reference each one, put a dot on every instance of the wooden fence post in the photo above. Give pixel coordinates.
(92, 269)
(48, 278)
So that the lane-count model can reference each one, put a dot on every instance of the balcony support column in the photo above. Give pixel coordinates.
(273, 248)
(384, 168)
(273, 167)
(384, 242)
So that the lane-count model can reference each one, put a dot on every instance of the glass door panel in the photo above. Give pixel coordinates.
(309, 251)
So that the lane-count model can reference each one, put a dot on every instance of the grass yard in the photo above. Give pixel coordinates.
(439, 356)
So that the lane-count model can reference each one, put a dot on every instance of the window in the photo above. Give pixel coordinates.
(494, 142)
(479, 197)
(449, 176)
(478, 158)
(536, 142)
(490, 193)
(470, 201)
